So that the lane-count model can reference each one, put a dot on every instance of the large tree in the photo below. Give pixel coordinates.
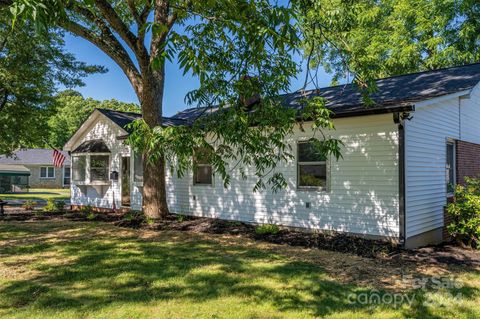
(31, 67)
(240, 50)
(369, 39)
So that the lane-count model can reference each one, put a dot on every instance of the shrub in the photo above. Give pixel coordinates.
(29, 204)
(54, 206)
(134, 215)
(181, 218)
(135, 218)
(267, 229)
(60, 205)
(149, 220)
(465, 213)
(91, 215)
(86, 209)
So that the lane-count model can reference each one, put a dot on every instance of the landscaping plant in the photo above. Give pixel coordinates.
(465, 213)
(29, 205)
(54, 206)
(267, 229)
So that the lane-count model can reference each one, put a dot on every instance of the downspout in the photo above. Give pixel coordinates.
(399, 119)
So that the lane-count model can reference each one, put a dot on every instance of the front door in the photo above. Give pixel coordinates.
(126, 181)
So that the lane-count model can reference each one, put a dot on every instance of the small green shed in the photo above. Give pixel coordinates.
(13, 177)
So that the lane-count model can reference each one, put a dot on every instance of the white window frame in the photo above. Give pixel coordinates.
(133, 164)
(454, 166)
(46, 171)
(72, 180)
(64, 169)
(90, 167)
(300, 163)
(88, 180)
(194, 172)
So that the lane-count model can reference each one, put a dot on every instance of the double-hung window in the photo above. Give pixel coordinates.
(99, 165)
(202, 169)
(450, 167)
(79, 167)
(138, 168)
(47, 172)
(311, 166)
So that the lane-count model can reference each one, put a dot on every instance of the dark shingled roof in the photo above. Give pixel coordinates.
(394, 94)
(122, 119)
(396, 91)
(92, 146)
(33, 156)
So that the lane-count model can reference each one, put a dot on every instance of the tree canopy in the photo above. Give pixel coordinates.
(71, 109)
(368, 39)
(31, 68)
(243, 54)
(238, 49)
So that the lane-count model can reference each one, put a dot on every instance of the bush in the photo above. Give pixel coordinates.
(60, 205)
(181, 218)
(29, 204)
(86, 209)
(91, 215)
(134, 215)
(267, 229)
(465, 213)
(54, 206)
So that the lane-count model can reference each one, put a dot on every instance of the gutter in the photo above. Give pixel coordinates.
(375, 111)
(399, 119)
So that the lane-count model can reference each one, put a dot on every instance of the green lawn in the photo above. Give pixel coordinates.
(39, 194)
(60, 269)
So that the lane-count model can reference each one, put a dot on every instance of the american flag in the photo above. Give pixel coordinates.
(58, 158)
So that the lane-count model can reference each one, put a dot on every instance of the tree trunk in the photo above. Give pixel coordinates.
(154, 186)
(154, 191)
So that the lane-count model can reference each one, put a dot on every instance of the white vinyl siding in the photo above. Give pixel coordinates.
(426, 136)
(470, 117)
(102, 195)
(362, 195)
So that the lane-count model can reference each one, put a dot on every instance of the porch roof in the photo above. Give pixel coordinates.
(13, 170)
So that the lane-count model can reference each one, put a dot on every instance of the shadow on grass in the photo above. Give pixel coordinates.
(102, 268)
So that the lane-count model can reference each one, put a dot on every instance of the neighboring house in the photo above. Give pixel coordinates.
(39, 162)
(401, 158)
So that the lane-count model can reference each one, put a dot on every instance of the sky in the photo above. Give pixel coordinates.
(114, 84)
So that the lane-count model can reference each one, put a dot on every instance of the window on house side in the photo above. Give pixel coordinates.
(311, 166)
(450, 167)
(47, 172)
(79, 166)
(99, 167)
(202, 171)
(138, 168)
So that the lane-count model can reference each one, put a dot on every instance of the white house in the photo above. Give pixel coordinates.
(401, 158)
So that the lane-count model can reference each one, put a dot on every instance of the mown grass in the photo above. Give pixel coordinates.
(60, 269)
(38, 194)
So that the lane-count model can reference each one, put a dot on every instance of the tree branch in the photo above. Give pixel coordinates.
(4, 98)
(108, 12)
(133, 10)
(108, 44)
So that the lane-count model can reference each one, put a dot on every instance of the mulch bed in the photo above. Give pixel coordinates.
(441, 254)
